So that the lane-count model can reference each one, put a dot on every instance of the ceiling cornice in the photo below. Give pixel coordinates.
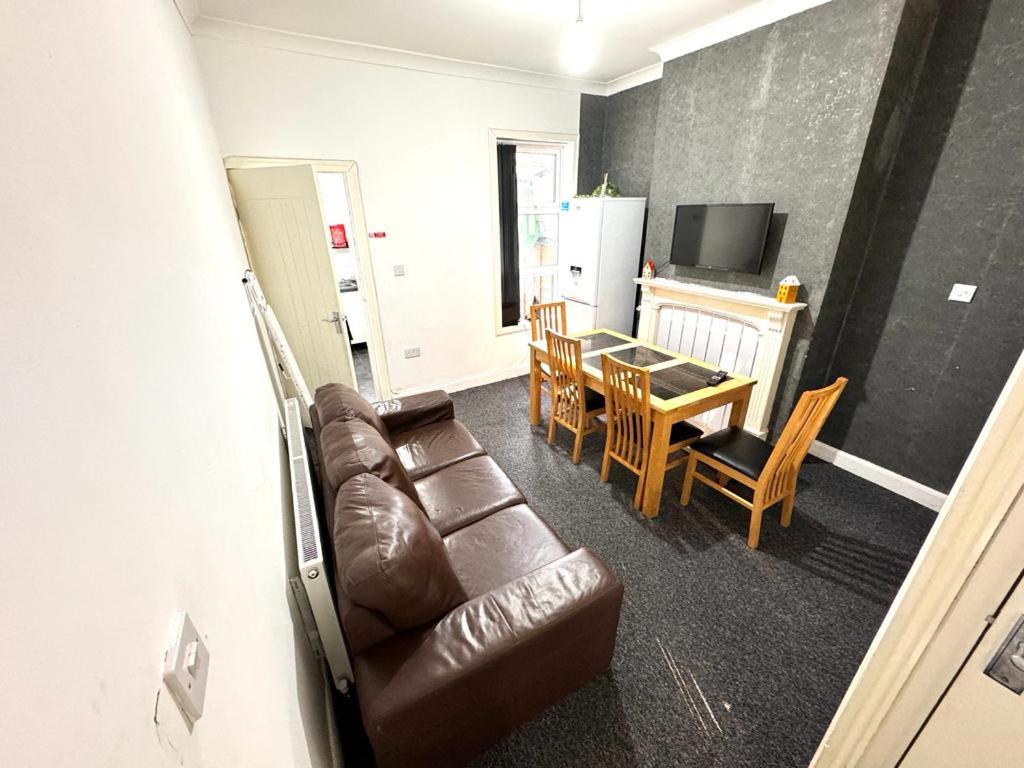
(746, 20)
(735, 24)
(262, 37)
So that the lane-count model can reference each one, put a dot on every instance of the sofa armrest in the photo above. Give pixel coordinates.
(405, 413)
(491, 664)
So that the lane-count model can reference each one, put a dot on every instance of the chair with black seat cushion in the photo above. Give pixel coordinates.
(769, 471)
(572, 405)
(627, 391)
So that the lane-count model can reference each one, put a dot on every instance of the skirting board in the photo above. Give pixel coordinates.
(904, 486)
(455, 385)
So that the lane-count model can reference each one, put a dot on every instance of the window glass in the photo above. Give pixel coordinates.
(538, 240)
(536, 178)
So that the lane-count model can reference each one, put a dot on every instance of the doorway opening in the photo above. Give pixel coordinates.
(306, 239)
(345, 262)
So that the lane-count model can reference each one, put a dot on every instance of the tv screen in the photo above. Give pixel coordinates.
(726, 237)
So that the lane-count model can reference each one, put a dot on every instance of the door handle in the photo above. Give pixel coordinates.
(336, 318)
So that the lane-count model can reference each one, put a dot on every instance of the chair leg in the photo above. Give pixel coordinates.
(691, 467)
(551, 424)
(754, 535)
(787, 509)
(638, 497)
(577, 445)
(606, 460)
(723, 479)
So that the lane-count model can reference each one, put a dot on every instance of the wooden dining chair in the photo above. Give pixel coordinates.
(572, 405)
(770, 472)
(544, 317)
(627, 397)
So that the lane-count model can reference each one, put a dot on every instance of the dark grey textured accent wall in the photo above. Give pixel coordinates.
(617, 138)
(592, 113)
(629, 127)
(781, 114)
(925, 372)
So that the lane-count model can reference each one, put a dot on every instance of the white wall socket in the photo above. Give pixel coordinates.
(186, 665)
(412, 352)
(399, 270)
(962, 292)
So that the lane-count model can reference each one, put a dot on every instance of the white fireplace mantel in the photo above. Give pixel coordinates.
(742, 331)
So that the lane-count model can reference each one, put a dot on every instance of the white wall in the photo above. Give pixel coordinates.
(421, 143)
(139, 452)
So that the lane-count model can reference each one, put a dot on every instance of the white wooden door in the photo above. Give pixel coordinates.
(279, 209)
(978, 722)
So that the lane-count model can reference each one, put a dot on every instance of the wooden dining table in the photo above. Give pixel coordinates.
(678, 392)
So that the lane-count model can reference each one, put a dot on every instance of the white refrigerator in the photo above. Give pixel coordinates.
(599, 255)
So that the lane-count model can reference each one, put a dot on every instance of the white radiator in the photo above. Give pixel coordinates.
(736, 330)
(724, 341)
(310, 554)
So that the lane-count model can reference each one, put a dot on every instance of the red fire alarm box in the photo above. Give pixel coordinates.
(338, 237)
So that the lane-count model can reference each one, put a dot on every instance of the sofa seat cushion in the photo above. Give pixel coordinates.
(389, 557)
(500, 548)
(334, 402)
(435, 446)
(350, 448)
(465, 492)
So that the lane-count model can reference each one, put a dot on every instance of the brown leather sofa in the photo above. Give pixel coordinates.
(465, 614)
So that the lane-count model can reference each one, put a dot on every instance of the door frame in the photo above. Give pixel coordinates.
(368, 285)
(967, 566)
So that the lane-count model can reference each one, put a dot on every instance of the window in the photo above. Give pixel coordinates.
(542, 180)
(537, 184)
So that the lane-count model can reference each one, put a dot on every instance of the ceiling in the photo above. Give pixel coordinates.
(526, 35)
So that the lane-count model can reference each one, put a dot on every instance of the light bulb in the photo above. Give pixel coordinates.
(579, 49)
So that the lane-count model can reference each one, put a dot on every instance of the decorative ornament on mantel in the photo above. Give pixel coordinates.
(789, 287)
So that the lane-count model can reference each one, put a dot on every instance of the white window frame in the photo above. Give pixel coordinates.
(568, 143)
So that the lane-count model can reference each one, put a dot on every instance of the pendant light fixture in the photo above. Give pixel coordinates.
(579, 48)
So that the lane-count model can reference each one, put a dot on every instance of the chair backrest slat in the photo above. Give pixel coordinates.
(547, 317)
(568, 387)
(806, 421)
(627, 398)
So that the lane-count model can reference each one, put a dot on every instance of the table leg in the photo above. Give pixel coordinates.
(656, 465)
(534, 388)
(738, 409)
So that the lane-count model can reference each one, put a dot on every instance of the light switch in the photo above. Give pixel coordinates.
(399, 270)
(962, 292)
(186, 666)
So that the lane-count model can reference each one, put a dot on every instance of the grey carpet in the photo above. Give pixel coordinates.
(725, 656)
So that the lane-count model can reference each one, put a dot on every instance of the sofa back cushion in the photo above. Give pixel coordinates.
(350, 448)
(389, 557)
(335, 402)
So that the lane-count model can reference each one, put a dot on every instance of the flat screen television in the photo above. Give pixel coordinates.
(729, 237)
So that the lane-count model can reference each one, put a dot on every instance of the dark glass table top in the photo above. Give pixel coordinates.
(679, 380)
(640, 356)
(596, 341)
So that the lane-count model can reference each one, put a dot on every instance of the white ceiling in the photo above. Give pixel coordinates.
(518, 34)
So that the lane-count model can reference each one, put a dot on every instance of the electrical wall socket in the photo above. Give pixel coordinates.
(962, 292)
(412, 352)
(399, 270)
